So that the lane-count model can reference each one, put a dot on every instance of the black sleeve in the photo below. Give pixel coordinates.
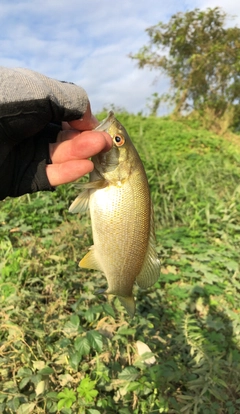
(32, 107)
(24, 169)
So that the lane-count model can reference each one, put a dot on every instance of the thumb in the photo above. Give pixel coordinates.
(87, 122)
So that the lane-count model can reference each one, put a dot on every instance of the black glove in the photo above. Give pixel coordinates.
(32, 108)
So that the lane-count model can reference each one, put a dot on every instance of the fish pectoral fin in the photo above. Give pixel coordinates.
(129, 304)
(81, 203)
(89, 261)
(95, 185)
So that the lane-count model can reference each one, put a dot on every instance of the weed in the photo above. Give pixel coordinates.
(64, 349)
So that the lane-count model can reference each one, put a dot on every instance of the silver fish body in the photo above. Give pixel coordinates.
(122, 217)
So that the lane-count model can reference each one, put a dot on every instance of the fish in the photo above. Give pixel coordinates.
(122, 218)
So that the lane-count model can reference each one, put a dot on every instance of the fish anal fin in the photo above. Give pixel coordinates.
(89, 261)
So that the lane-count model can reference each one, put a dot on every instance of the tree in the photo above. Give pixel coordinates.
(154, 103)
(202, 58)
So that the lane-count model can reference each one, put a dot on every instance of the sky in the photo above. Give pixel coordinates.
(89, 42)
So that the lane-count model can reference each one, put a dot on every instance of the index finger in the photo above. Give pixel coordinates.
(78, 146)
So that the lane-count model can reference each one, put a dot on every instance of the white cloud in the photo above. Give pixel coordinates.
(89, 42)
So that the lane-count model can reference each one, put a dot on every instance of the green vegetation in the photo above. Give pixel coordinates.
(65, 350)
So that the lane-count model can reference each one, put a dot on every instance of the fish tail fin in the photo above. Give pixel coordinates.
(129, 304)
(127, 301)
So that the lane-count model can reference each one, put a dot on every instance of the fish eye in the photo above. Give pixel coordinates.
(119, 140)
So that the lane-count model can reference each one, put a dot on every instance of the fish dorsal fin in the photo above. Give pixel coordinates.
(81, 203)
(89, 260)
(150, 271)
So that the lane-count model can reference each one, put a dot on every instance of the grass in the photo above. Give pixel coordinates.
(65, 350)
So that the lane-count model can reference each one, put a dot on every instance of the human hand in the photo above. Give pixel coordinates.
(35, 154)
(70, 154)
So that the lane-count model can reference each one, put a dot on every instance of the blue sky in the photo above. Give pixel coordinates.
(88, 42)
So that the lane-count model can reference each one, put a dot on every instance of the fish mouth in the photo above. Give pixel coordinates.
(106, 123)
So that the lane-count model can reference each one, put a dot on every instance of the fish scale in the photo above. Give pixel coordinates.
(121, 212)
(128, 224)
